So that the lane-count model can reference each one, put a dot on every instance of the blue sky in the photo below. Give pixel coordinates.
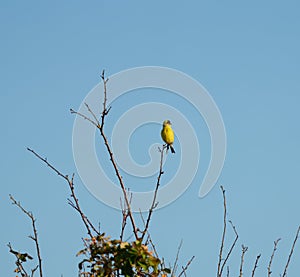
(245, 54)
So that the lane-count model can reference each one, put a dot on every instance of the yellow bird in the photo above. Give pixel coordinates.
(167, 134)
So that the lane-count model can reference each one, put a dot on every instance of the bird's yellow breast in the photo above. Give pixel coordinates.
(167, 134)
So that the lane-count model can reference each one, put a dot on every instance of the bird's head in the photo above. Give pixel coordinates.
(167, 122)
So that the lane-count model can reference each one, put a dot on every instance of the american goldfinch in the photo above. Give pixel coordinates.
(167, 134)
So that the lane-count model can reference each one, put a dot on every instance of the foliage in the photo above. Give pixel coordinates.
(113, 257)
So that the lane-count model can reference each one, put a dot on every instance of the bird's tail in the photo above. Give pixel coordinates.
(172, 149)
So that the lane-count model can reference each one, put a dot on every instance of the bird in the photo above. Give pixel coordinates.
(167, 134)
(21, 256)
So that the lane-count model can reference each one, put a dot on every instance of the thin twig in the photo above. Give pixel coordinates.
(93, 114)
(124, 220)
(232, 246)
(176, 259)
(35, 235)
(48, 164)
(152, 246)
(244, 250)
(105, 111)
(223, 234)
(186, 267)
(78, 209)
(84, 117)
(112, 159)
(220, 264)
(120, 182)
(76, 206)
(291, 253)
(149, 237)
(154, 203)
(33, 270)
(272, 257)
(255, 264)
(21, 268)
(86, 244)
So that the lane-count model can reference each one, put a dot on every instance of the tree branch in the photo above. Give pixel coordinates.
(223, 233)
(34, 270)
(220, 264)
(100, 127)
(184, 269)
(176, 260)
(255, 264)
(105, 111)
(124, 220)
(35, 235)
(75, 205)
(291, 253)
(272, 257)
(244, 250)
(84, 117)
(154, 203)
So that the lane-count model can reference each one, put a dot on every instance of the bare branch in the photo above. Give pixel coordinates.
(176, 259)
(48, 164)
(75, 205)
(152, 245)
(112, 159)
(184, 269)
(223, 234)
(232, 246)
(272, 257)
(35, 235)
(149, 240)
(127, 202)
(220, 264)
(34, 270)
(93, 114)
(105, 111)
(255, 264)
(124, 219)
(291, 253)
(84, 117)
(244, 250)
(154, 203)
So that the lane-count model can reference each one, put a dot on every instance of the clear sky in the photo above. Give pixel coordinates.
(246, 54)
